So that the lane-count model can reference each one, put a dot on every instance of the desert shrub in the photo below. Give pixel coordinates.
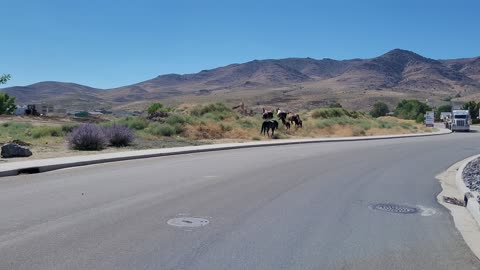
(217, 116)
(324, 123)
(447, 98)
(176, 119)
(405, 125)
(420, 118)
(215, 111)
(209, 130)
(246, 124)
(256, 138)
(358, 132)
(225, 127)
(366, 125)
(385, 124)
(15, 130)
(379, 109)
(164, 129)
(158, 107)
(119, 136)
(179, 128)
(67, 128)
(88, 137)
(343, 121)
(17, 125)
(46, 131)
(133, 122)
(334, 112)
(328, 113)
(335, 105)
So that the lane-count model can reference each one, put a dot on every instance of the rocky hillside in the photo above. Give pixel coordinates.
(398, 70)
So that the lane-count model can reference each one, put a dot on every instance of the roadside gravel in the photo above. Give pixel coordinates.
(471, 176)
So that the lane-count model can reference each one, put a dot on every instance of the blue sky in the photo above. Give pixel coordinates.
(110, 43)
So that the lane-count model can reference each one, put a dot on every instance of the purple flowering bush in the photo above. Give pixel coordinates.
(119, 136)
(87, 137)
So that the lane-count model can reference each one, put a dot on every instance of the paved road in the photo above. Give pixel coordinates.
(289, 207)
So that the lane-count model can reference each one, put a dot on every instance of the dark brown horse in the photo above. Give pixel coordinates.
(295, 119)
(299, 123)
(269, 125)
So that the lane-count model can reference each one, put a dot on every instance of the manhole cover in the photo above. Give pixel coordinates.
(394, 208)
(188, 222)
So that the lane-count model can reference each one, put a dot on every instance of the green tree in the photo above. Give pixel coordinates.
(4, 78)
(7, 104)
(442, 108)
(472, 107)
(379, 109)
(411, 109)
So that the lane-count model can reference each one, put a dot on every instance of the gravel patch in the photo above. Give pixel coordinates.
(471, 176)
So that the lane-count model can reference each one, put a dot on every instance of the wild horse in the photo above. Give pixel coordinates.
(269, 125)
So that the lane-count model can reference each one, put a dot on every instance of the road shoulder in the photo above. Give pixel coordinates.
(463, 219)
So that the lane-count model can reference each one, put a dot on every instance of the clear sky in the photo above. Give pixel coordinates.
(110, 43)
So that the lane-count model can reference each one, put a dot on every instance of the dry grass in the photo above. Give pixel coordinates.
(214, 125)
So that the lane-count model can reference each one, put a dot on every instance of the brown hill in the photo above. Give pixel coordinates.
(404, 69)
(300, 81)
(395, 69)
(468, 66)
(70, 94)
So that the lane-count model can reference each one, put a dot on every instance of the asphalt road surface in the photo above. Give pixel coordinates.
(289, 207)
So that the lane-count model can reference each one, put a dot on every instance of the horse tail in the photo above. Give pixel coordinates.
(263, 129)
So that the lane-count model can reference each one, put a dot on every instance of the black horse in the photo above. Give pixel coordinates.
(267, 114)
(267, 125)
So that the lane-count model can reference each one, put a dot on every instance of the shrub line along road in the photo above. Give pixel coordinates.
(44, 165)
(304, 206)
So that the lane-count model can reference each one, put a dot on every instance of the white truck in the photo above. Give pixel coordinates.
(459, 121)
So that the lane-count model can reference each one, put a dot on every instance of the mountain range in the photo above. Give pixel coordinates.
(291, 82)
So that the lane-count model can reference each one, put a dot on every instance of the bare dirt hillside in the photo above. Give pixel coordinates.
(293, 82)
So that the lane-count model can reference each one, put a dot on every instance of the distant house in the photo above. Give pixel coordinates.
(20, 110)
(44, 109)
(95, 113)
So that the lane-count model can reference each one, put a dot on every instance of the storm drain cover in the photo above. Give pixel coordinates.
(188, 222)
(394, 208)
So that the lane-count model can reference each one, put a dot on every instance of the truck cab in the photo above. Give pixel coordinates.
(460, 120)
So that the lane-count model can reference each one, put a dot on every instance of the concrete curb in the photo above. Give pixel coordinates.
(472, 206)
(44, 165)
